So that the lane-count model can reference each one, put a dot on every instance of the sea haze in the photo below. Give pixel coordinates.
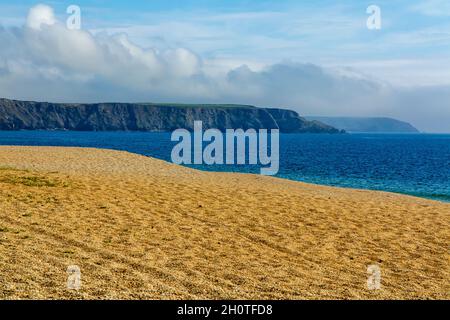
(414, 164)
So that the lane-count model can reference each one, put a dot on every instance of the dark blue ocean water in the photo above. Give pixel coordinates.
(415, 164)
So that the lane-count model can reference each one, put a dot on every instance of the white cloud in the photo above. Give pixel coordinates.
(45, 50)
(39, 15)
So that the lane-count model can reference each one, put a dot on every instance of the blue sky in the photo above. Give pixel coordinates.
(409, 55)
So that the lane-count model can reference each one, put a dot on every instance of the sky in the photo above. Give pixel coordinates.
(315, 57)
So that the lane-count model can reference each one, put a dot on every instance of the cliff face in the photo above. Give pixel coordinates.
(24, 115)
(290, 122)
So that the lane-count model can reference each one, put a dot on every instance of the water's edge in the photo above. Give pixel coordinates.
(415, 165)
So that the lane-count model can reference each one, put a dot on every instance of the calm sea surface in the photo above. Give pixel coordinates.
(415, 164)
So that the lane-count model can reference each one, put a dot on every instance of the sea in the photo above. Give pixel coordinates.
(413, 164)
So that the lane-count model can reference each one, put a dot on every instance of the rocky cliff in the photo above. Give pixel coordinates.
(27, 115)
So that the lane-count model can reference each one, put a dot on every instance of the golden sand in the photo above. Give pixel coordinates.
(142, 228)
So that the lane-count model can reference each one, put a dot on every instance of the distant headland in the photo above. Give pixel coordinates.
(367, 125)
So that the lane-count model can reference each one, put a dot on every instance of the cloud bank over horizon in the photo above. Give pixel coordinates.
(45, 61)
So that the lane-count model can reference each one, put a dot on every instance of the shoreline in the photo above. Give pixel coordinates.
(192, 167)
(189, 167)
(376, 170)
